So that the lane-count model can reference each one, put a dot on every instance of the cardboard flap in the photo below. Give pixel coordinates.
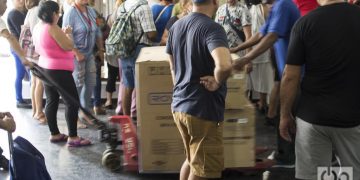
(156, 53)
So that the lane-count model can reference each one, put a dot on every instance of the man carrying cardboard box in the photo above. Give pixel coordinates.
(200, 63)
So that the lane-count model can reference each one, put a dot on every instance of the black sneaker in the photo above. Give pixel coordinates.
(4, 163)
(24, 105)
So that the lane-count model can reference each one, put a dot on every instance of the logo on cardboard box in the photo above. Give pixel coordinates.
(160, 98)
(159, 70)
(159, 163)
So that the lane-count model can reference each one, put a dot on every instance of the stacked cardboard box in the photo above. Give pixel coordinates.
(160, 144)
(239, 124)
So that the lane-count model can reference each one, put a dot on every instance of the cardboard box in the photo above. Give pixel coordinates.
(236, 92)
(160, 145)
(239, 137)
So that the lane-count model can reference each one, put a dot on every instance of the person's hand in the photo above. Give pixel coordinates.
(210, 83)
(67, 30)
(100, 54)
(79, 56)
(287, 126)
(240, 63)
(233, 50)
(28, 64)
(248, 68)
(7, 122)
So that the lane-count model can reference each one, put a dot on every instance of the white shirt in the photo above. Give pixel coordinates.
(31, 18)
(2, 25)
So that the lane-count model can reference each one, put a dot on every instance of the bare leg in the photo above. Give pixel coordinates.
(33, 86)
(108, 98)
(193, 177)
(262, 100)
(274, 100)
(39, 92)
(126, 100)
(185, 171)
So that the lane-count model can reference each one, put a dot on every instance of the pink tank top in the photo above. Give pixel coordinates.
(52, 56)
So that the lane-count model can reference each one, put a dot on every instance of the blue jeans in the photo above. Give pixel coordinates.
(20, 73)
(85, 79)
(128, 68)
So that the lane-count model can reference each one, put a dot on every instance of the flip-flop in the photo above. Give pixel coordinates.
(62, 138)
(78, 143)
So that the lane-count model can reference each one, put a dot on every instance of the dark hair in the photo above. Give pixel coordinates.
(31, 3)
(46, 11)
(253, 2)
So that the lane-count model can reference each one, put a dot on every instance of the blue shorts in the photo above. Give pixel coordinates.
(128, 68)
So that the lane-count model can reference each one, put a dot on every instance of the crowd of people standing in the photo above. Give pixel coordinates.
(277, 46)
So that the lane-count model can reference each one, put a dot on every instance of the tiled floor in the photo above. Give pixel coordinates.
(73, 164)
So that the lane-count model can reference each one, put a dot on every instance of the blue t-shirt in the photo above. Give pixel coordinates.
(163, 19)
(282, 18)
(191, 41)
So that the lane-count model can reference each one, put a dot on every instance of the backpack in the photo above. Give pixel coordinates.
(26, 162)
(121, 41)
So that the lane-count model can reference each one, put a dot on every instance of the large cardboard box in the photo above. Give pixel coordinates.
(239, 137)
(160, 145)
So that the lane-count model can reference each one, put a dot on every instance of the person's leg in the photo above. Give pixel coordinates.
(179, 119)
(128, 65)
(20, 73)
(39, 92)
(113, 73)
(70, 97)
(347, 148)
(97, 88)
(126, 100)
(206, 148)
(33, 96)
(275, 92)
(118, 109)
(274, 100)
(52, 104)
(262, 102)
(133, 105)
(90, 81)
(185, 171)
(313, 149)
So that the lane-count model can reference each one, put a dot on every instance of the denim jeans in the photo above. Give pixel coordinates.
(20, 73)
(85, 79)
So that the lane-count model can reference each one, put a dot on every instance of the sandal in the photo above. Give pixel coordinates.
(61, 138)
(78, 143)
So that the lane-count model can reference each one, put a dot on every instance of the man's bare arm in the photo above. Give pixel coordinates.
(171, 62)
(265, 43)
(288, 91)
(223, 64)
(248, 43)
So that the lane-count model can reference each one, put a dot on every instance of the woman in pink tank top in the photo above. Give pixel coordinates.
(56, 58)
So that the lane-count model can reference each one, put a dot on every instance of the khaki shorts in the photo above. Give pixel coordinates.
(203, 144)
